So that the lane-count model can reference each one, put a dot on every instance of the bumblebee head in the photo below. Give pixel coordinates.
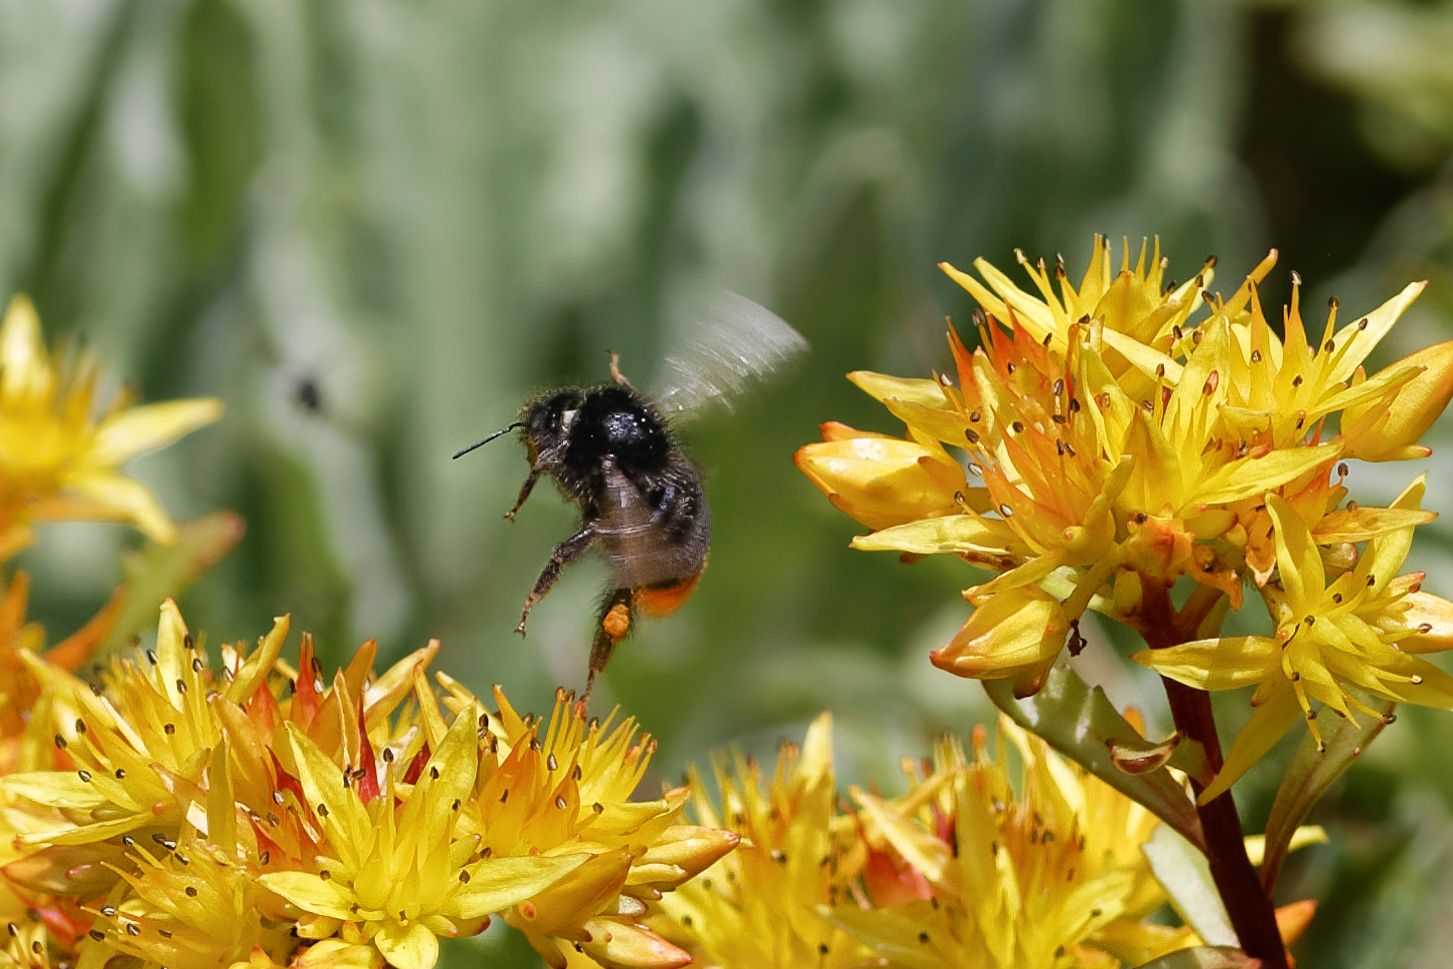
(547, 420)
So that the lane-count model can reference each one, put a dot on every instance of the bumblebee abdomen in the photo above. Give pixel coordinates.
(654, 529)
(655, 559)
(660, 600)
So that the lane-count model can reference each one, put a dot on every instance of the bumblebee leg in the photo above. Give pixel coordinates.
(565, 553)
(525, 490)
(615, 371)
(615, 623)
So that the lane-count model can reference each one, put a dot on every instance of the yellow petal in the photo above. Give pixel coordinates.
(1369, 331)
(1251, 476)
(882, 481)
(1028, 573)
(1031, 313)
(581, 893)
(690, 848)
(68, 791)
(127, 500)
(992, 304)
(1147, 360)
(259, 664)
(815, 760)
(24, 369)
(935, 422)
(1360, 524)
(1297, 559)
(1307, 834)
(1261, 732)
(338, 809)
(838, 431)
(930, 536)
(1385, 554)
(930, 855)
(1214, 664)
(407, 947)
(75, 508)
(1432, 619)
(1430, 686)
(137, 430)
(629, 946)
(916, 390)
(496, 884)
(84, 834)
(1411, 411)
(171, 638)
(337, 954)
(1363, 403)
(311, 893)
(446, 779)
(1015, 630)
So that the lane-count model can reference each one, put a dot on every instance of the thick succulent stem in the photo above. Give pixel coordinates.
(1247, 903)
(1250, 909)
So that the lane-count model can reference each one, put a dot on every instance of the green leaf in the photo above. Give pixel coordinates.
(1205, 957)
(1082, 724)
(158, 572)
(1186, 877)
(1308, 777)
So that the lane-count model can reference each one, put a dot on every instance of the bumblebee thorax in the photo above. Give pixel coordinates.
(619, 423)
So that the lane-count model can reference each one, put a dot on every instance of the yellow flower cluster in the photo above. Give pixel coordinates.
(1123, 434)
(971, 867)
(59, 461)
(256, 814)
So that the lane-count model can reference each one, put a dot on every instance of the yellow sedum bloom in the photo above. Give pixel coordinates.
(58, 458)
(1279, 387)
(1134, 303)
(569, 790)
(258, 815)
(758, 906)
(969, 868)
(405, 876)
(184, 908)
(1335, 641)
(1119, 436)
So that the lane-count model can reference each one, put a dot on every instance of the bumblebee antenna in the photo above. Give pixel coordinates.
(483, 441)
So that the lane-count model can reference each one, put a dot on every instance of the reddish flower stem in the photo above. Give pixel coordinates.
(1251, 911)
(1247, 903)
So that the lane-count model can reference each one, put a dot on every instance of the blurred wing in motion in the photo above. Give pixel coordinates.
(734, 344)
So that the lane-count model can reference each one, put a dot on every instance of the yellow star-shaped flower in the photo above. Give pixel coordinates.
(1355, 635)
(58, 458)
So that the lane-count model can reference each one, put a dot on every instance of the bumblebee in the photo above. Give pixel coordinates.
(611, 451)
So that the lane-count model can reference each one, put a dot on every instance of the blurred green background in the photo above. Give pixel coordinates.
(373, 228)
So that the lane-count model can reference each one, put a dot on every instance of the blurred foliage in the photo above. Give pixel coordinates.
(374, 228)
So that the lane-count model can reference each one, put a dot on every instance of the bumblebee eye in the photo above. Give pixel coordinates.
(567, 418)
